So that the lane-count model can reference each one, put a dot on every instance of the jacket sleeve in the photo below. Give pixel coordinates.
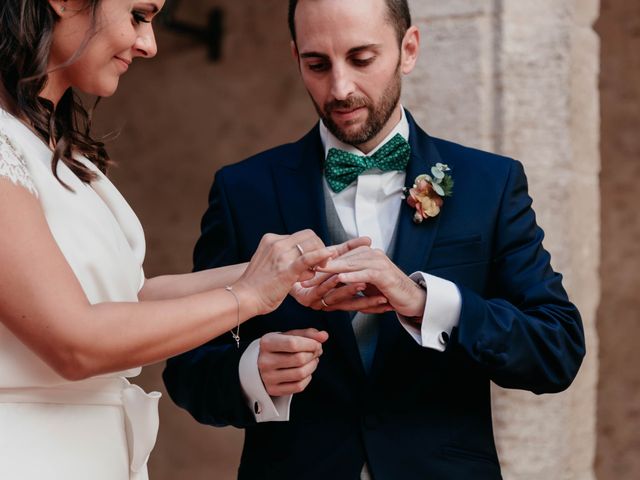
(205, 381)
(526, 335)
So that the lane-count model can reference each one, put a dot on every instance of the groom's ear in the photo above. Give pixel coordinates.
(295, 54)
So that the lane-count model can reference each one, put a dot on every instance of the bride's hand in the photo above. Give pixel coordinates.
(279, 262)
(312, 292)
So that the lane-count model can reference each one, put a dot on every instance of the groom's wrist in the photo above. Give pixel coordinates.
(419, 292)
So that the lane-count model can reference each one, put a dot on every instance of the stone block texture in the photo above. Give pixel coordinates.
(618, 326)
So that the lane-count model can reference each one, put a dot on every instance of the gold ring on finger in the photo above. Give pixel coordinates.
(324, 303)
(300, 249)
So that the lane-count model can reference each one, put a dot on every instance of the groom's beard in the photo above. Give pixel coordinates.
(377, 114)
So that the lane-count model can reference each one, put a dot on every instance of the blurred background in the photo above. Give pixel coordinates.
(525, 78)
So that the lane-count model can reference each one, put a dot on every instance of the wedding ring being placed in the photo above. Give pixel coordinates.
(300, 249)
(324, 303)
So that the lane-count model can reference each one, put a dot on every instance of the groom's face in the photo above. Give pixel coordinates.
(350, 62)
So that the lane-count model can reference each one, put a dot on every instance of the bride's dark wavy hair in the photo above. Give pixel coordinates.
(26, 31)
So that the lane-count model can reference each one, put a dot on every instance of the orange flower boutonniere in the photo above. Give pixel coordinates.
(428, 192)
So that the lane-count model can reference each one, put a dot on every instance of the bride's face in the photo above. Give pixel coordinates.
(107, 42)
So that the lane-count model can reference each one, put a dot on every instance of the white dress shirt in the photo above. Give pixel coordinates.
(368, 207)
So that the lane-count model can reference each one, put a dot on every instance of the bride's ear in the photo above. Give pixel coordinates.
(58, 6)
(64, 7)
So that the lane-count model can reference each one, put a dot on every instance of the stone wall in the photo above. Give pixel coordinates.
(520, 78)
(618, 325)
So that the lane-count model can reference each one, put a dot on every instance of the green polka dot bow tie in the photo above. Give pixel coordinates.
(342, 168)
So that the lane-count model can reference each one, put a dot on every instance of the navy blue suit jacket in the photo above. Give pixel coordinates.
(420, 414)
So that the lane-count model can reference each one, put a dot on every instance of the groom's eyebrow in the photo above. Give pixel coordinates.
(314, 55)
(360, 48)
(369, 46)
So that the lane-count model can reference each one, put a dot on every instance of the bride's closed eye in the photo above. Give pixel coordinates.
(140, 17)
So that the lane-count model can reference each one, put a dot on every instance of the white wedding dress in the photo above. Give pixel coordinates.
(102, 428)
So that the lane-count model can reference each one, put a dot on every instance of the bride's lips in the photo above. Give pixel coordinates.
(124, 64)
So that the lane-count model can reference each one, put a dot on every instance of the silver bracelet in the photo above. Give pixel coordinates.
(236, 334)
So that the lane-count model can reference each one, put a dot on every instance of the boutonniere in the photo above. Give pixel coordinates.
(428, 192)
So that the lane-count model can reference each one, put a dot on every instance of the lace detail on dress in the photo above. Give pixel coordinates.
(13, 165)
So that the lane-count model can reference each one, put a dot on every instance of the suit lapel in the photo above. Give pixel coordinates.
(298, 180)
(299, 188)
(413, 241)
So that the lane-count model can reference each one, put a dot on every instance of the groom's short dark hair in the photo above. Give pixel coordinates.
(397, 11)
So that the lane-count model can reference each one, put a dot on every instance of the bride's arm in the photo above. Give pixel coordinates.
(43, 304)
(175, 286)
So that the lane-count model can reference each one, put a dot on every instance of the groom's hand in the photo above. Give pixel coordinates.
(382, 277)
(313, 293)
(287, 360)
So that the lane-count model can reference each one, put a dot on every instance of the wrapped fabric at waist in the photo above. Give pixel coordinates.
(140, 408)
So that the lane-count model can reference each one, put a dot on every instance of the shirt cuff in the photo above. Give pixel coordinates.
(265, 408)
(441, 312)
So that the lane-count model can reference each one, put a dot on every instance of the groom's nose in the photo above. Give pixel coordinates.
(342, 84)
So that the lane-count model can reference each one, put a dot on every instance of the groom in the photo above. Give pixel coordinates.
(401, 389)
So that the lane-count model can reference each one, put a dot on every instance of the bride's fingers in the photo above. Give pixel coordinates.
(345, 248)
(326, 286)
(305, 240)
(318, 279)
(307, 262)
(356, 259)
(357, 275)
(352, 244)
(360, 254)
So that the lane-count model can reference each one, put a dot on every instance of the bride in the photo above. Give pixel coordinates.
(77, 316)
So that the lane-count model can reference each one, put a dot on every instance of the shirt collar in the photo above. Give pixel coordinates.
(330, 141)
